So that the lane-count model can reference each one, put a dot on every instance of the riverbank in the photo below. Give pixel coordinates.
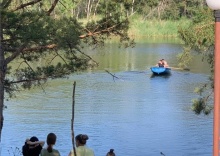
(155, 28)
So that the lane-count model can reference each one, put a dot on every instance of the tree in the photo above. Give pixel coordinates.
(199, 37)
(30, 32)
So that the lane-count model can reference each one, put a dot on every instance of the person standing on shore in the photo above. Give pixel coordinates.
(50, 151)
(32, 147)
(81, 148)
(111, 153)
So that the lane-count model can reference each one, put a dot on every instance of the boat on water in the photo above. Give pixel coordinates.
(160, 70)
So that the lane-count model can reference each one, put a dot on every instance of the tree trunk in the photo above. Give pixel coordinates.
(96, 8)
(132, 8)
(2, 77)
(88, 9)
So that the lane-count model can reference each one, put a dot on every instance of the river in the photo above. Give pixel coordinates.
(136, 114)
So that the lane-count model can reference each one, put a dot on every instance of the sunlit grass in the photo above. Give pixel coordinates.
(155, 28)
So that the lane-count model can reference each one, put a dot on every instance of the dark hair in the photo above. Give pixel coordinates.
(51, 140)
(25, 149)
(110, 153)
(34, 139)
(82, 138)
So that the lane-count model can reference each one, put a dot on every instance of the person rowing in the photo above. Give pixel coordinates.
(162, 63)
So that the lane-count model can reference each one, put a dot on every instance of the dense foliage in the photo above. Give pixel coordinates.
(199, 37)
(45, 42)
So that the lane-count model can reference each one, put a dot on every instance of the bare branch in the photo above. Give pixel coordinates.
(28, 80)
(62, 4)
(5, 3)
(51, 46)
(52, 7)
(15, 54)
(88, 56)
(20, 64)
(33, 71)
(26, 4)
(22, 49)
(113, 75)
(98, 32)
(58, 55)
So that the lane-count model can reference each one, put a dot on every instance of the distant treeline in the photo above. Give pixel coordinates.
(147, 9)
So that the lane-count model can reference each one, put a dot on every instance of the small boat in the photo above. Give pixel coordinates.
(160, 70)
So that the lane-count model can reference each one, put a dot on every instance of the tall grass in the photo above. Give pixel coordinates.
(155, 28)
(152, 29)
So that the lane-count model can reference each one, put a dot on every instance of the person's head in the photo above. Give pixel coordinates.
(111, 153)
(51, 140)
(81, 139)
(33, 139)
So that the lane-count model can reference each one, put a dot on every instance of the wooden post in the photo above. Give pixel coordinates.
(72, 121)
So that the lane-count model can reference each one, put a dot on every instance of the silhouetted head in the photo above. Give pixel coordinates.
(110, 153)
(34, 139)
(81, 139)
(51, 140)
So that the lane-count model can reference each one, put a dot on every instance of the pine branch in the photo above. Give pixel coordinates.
(28, 80)
(15, 54)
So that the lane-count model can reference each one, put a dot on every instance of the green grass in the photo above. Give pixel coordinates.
(155, 28)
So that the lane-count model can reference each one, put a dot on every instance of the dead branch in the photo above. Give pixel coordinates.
(96, 33)
(72, 120)
(113, 75)
(52, 7)
(15, 54)
(51, 46)
(88, 56)
(26, 4)
(27, 80)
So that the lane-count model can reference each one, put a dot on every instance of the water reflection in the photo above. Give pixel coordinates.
(161, 75)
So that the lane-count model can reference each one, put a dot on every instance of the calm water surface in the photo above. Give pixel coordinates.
(137, 114)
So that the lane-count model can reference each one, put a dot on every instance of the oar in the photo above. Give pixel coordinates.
(175, 68)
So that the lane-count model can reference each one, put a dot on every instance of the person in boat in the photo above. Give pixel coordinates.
(160, 64)
(81, 148)
(164, 63)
